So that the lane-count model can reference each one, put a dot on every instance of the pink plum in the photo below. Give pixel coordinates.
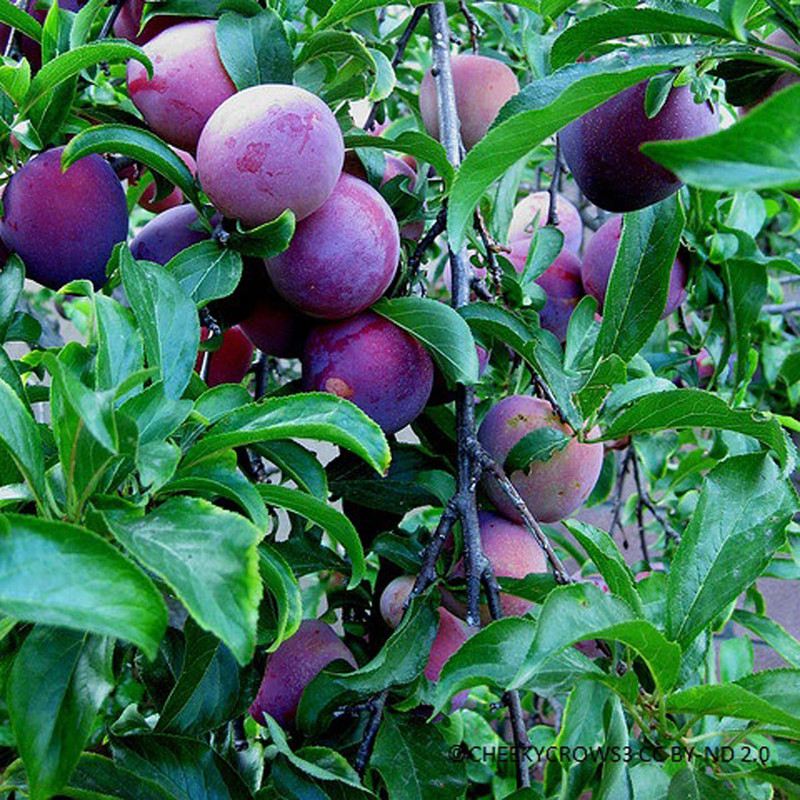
(536, 207)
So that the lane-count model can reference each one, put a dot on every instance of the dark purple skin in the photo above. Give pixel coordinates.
(30, 49)
(167, 234)
(374, 364)
(343, 257)
(598, 259)
(562, 282)
(292, 667)
(276, 328)
(601, 148)
(64, 225)
(127, 24)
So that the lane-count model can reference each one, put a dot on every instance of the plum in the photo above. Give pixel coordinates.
(269, 148)
(64, 225)
(230, 362)
(601, 148)
(292, 667)
(482, 86)
(343, 257)
(371, 362)
(393, 599)
(778, 38)
(451, 633)
(174, 198)
(551, 489)
(188, 84)
(513, 553)
(166, 235)
(598, 259)
(128, 24)
(562, 282)
(535, 207)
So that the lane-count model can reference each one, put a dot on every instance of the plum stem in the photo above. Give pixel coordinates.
(109, 21)
(399, 53)
(552, 210)
(475, 30)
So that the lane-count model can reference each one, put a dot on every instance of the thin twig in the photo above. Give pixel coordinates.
(368, 742)
(781, 308)
(615, 517)
(645, 501)
(240, 742)
(544, 390)
(11, 43)
(475, 30)
(496, 471)
(399, 53)
(109, 21)
(414, 261)
(640, 512)
(260, 371)
(552, 210)
(491, 246)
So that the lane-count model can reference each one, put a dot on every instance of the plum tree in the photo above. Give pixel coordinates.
(64, 225)
(343, 257)
(188, 83)
(535, 207)
(552, 489)
(269, 148)
(482, 87)
(230, 362)
(598, 259)
(371, 362)
(174, 198)
(562, 282)
(167, 234)
(128, 24)
(292, 667)
(512, 552)
(601, 148)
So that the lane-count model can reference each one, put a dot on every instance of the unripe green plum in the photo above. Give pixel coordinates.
(343, 257)
(269, 148)
(174, 198)
(562, 282)
(601, 148)
(230, 362)
(373, 363)
(551, 489)
(513, 553)
(189, 82)
(536, 207)
(64, 225)
(598, 259)
(293, 666)
(482, 86)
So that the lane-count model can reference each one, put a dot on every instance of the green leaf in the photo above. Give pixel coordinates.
(9, 374)
(779, 639)
(58, 681)
(221, 477)
(735, 529)
(538, 445)
(547, 105)
(299, 464)
(756, 697)
(70, 64)
(209, 558)
(385, 79)
(639, 281)
(583, 611)
(254, 49)
(266, 240)
(82, 24)
(12, 279)
(746, 282)
(693, 408)
(409, 756)
(423, 147)
(760, 151)
(167, 319)
(326, 43)
(279, 580)
(138, 143)
(99, 777)
(206, 694)
(21, 442)
(314, 415)
(119, 346)
(21, 20)
(608, 372)
(60, 574)
(342, 10)
(336, 524)
(206, 271)
(605, 555)
(659, 17)
(187, 769)
(439, 327)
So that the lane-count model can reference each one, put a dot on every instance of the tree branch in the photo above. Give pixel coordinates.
(552, 212)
